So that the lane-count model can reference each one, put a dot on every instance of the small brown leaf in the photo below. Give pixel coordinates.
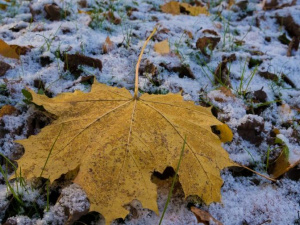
(7, 51)
(291, 26)
(282, 164)
(21, 50)
(268, 75)
(7, 110)
(293, 45)
(72, 61)
(204, 217)
(82, 3)
(53, 11)
(221, 73)
(162, 47)
(107, 46)
(113, 18)
(189, 34)
(3, 68)
(207, 42)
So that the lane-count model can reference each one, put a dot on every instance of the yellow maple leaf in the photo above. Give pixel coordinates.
(7, 51)
(162, 47)
(117, 141)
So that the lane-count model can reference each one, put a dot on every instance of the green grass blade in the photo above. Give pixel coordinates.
(173, 183)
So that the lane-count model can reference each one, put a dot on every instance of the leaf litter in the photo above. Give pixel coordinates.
(231, 110)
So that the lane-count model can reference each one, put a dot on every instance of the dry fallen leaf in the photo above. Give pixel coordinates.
(162, 47)
(176, 8)
(194, 10)
(204, 217)
(4, 4)
(4, 67)
(117, 141)
(230, 3)
(171, 7)
(7, 110)
(7, 51)
(282, 164)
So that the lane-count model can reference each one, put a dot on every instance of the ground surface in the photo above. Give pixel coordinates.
(251, 77)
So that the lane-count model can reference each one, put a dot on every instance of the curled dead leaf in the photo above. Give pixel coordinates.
(107, 46)
(221, 73)
(4, 67)
(282, 164)
(204, 217)
(205, 43)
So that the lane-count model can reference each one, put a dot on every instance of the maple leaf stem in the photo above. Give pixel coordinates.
(259, 174)
(136, 85)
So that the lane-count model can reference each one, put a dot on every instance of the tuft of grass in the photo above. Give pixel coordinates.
(245, 82)
(173, 183)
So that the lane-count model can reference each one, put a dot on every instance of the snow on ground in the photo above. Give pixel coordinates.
(246, 30)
